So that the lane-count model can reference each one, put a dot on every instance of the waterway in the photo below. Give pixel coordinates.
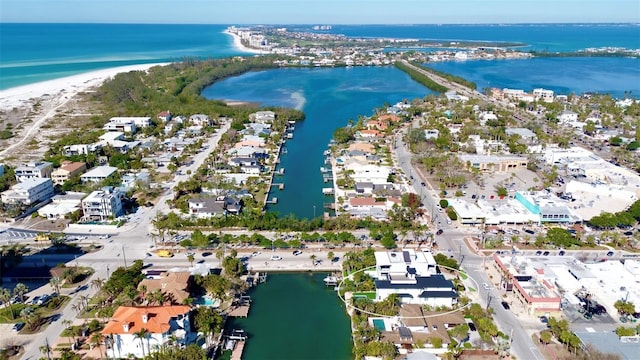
(295, 316)
(329, 97)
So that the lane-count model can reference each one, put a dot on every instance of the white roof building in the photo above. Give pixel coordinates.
(413, 277)
(98, 174)
(369, 173)
(102, 204)
(29, 191)
(32, 170)
(62, 205)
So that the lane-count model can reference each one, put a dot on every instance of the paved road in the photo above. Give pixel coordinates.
(451, 238)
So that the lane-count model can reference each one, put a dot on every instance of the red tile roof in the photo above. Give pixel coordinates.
(157, 323)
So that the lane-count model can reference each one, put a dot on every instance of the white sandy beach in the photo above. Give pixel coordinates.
(237, 44)
(52, 95)
(65, 87)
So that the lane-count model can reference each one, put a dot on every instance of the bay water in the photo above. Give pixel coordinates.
(329, 97)
(295, 316)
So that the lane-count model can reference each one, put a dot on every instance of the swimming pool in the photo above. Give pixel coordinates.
(379, 324)
(204, 300)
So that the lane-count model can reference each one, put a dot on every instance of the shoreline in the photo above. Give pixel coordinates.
(237, 44)
(66, 87)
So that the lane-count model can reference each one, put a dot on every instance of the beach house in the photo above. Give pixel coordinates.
(103, 204)
(29, 191)
(98, 174)
(67, 171)
(32, 170)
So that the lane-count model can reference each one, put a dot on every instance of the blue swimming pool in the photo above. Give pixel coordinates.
(379, 324)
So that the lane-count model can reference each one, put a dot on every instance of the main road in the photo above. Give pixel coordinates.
(451, 241)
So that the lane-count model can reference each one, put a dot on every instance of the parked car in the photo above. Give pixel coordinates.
(17, 326)
(439, 232)
(485, 285)
(275, 258)
(546, 253)
(505, 305)
(297, 252)
(610, 253)
(561, 253)
(538, 253)
(472, 326)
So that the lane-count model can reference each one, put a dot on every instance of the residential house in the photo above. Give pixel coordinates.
(67, 171)
(138, 121)
(29, 191)
(369, 173)
(412, 275)
(527, 135)
(248, 151)
(32, 170)
(200, 120)
(390, 118)
(543, 94)
(98, 174)
(174, 284)
(205, 207)
(130, 180)
(163, 324)
(103, 204)
(568, 116)
(362, 146)
(61, 205)
(81, 149)
(370, 134)
(487, 116)
(164, 116)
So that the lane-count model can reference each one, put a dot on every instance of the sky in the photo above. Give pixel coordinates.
(321, 11)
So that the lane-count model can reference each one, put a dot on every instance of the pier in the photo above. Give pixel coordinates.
(236, 354)
(279, 185)
(327, 191)
(272, 201)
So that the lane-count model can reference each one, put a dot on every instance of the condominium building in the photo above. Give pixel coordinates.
(29, 191)
(102, 204)
(33, 170)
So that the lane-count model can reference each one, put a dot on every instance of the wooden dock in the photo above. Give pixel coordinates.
(279, 185)
(237, 351)
(240, 311)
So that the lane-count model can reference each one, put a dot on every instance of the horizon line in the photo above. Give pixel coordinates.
(321, 23)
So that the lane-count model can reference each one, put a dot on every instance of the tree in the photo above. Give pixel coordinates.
(545, 337)
(624, 307)
(625, 331)
(67, 323)
(313, 259)
(142, 336)
(330, 255)
(208, 321)
(5, 296)
(190, 259)
(460, 332)
(96, 340)
(20, 290)
(97, 283)
(55, 283)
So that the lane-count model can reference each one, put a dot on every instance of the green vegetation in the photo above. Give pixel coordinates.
(366, 338)
(483, 321)
(421, 78)
(560, 330)
(453, 78)
(442, 259)
(557, 237)
(620, 219)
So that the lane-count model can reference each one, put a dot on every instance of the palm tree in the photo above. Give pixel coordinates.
(5, 296)
(330, 255)
(46, 350)
(55, 283)
(141, 335)
(97, 283)
(313, 259)
(20, 290)
(96, 340)
(67, 323)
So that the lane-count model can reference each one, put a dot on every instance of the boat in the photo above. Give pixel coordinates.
(330, 280)
(230, 345)
(238, 334)
(327, 191)
(326, 152)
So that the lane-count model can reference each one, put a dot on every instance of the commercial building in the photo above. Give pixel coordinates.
(33, 170)
(531, 282)
(163, 324)
(29, 191)
(490, 163)
(412, 275)
(67, 171)
(547, 206)
(102, 204)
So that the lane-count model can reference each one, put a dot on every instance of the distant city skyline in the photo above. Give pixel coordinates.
(321, 11)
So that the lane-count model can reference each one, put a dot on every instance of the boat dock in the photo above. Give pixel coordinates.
(236, 354)
(272, 201)
(327, 191)
(279, 185)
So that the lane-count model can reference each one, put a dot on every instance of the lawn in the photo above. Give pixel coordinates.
(371, 295)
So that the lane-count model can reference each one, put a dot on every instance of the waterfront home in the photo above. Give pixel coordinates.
(29, 191)
(369, 173)
(41, 170)
(68, 170)
(80, 149)
(163, 324)
(175, 285)
(102, 204)
(377, 125)
(413, 277)
(390, 117)
(98, 174)
(369, 134)
(138, 121)
(248, 151)
(262, 117)
(243, 161)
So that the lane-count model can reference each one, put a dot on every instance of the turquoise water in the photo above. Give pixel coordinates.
(329, 97)
(563, 75)
(295, 316)
(379, 324)
(204, 300)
